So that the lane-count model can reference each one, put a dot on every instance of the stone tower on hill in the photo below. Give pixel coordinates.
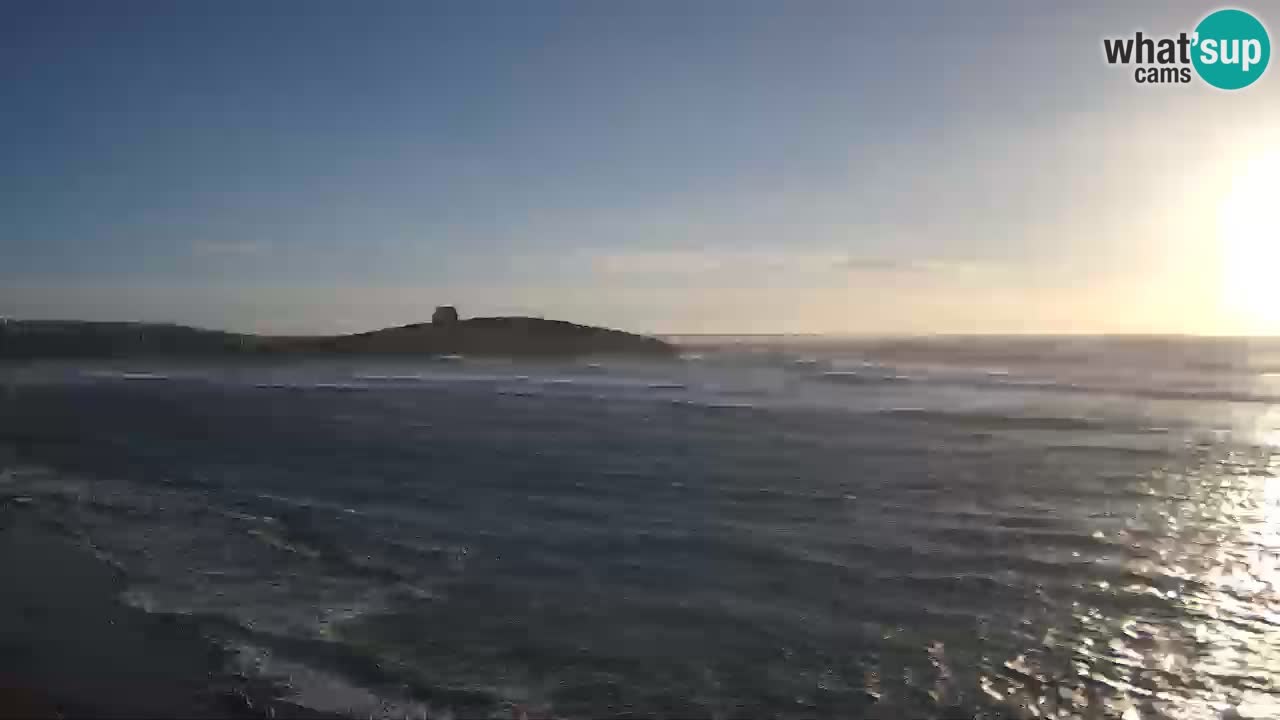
(444, 315)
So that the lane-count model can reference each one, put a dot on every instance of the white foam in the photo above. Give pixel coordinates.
(322, 691)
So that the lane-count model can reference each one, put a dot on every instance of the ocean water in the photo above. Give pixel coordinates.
(1080, 528)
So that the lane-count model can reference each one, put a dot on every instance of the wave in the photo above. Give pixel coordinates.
(855, 377)
(995, 420)
(520, 393)
(119, 375)
(1239, 396)
(1002, 380)
(1096, 451)
(713, 405)
(338, 387)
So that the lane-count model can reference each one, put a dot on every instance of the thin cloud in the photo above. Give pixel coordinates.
(229, 248)
(914, 266)
(705, 262)
(879, 265)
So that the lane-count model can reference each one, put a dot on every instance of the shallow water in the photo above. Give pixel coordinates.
(765, 528)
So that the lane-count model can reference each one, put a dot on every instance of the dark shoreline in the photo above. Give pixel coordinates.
(70, 648)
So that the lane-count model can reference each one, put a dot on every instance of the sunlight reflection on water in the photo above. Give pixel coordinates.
(1192, 631)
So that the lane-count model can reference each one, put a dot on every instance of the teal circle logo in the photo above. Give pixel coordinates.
(1231, 49)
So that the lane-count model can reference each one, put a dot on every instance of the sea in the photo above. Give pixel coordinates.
(784, 527)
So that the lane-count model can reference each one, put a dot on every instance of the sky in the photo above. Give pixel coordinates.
(669, 167)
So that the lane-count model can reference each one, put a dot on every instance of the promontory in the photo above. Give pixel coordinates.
(446, 334)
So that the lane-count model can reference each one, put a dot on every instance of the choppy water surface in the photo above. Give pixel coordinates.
(793, 529)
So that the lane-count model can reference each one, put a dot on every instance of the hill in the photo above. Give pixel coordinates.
(500, 336)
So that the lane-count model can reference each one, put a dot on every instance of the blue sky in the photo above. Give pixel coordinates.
(658, 166)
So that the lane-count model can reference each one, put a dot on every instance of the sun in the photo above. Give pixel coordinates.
(1249, 233)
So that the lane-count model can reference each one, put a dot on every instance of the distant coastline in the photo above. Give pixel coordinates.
(445, 335)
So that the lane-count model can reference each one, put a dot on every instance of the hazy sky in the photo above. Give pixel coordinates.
(657, 166)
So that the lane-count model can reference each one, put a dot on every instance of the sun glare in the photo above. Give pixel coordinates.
(1249, 232)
